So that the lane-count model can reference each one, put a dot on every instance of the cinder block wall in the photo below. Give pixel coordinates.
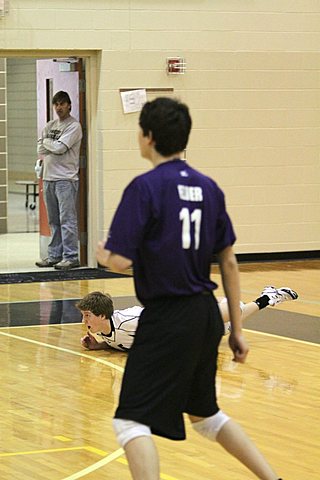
(252, 83)
(3, 149)
(22, 121)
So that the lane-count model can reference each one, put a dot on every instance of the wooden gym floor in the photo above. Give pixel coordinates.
(57, 399)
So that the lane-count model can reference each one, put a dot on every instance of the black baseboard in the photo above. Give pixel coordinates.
(278, 256)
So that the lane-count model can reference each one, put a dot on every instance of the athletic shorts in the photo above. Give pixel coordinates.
(171, 367)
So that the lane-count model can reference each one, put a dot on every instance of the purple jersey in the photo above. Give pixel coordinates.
(170, 222)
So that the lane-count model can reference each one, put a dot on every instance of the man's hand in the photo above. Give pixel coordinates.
(239, 347)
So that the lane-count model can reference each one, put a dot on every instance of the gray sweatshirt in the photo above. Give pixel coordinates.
(60, 147)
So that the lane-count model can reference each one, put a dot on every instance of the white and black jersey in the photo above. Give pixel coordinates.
(123, 328)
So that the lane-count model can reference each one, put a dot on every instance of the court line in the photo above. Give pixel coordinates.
(102, 462)
(35, 452)
(115, 455)
(304, 342)
(95, 466)
(65, 350)
(163, 476)
(53, 450)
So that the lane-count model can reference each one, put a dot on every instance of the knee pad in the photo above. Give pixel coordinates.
(210, 426)
(127, 430)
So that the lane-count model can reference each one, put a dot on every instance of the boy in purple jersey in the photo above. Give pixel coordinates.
(169, 223)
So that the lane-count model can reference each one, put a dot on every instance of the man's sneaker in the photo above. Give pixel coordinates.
(279, 295)
(67, 264)
(46, 262)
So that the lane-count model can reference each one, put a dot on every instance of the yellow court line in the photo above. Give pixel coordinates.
(102, 462)
(95, 466)
(164, 476)
(65, 350)
(167, 477)
(62, 438)
(115, 455)
(35, 452)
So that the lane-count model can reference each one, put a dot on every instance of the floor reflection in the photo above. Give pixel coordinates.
(232, 378)
(39, 313)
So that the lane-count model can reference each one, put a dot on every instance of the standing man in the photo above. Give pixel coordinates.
(170, 222)
(60, 147)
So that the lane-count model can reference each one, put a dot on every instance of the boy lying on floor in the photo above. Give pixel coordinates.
(109, 328)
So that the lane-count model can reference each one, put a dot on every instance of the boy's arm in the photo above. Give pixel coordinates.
(115, 262)
(231, 284)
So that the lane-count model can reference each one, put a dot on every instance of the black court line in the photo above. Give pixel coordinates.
(270, 320)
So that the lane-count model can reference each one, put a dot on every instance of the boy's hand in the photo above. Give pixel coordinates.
(239, 347)
(102, 254)
(89, 342)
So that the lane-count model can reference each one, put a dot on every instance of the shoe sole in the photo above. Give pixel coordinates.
(66, 268)
(46, 266)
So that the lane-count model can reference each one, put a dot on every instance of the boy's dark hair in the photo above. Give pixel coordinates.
(169, 122)
(61, 97)
(98, 303)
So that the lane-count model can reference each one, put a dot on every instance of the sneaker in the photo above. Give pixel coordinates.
(67, 264)
(46, 262)
(279, 295)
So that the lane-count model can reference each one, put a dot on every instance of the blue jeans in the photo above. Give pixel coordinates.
(61, 202)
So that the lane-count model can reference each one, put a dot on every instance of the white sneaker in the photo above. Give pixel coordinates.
(279, 295)
(67, 264)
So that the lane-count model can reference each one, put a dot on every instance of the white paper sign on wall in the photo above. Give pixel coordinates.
(133, 100)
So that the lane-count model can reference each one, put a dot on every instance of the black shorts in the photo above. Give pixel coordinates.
(172, 364)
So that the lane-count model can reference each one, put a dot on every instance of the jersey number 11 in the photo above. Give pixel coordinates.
(187, 219)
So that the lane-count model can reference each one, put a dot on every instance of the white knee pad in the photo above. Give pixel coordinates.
(127, 430)
(210, 426)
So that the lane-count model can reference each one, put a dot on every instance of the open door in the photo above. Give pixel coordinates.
(83, 194)
(68, 75)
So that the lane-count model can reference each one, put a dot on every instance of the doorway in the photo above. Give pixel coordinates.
(31, 82)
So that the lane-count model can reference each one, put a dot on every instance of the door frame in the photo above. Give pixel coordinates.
(92, 63)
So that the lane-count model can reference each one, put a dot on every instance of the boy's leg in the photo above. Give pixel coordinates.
(247, 309)
(269, 296)
(232, 438)
(143, 458)
(136, 440)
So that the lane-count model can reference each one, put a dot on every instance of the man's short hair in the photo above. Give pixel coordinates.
(169, 122)
(62, 97)
(98, 303)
